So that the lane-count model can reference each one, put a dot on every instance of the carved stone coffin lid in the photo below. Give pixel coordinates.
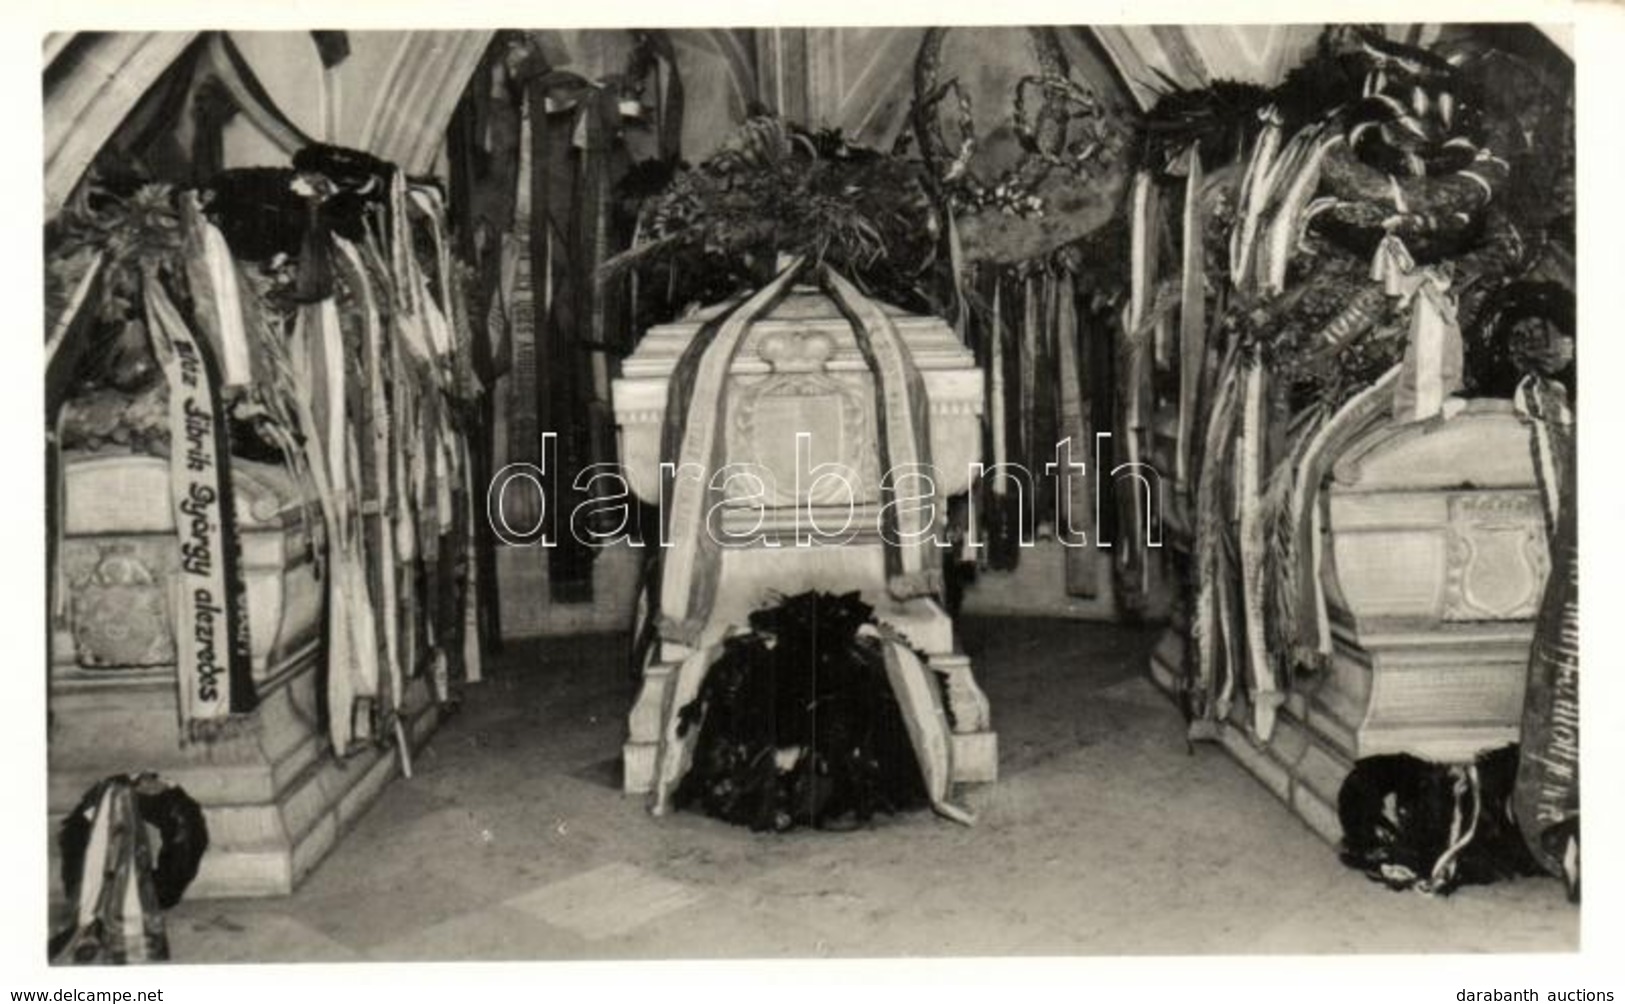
(130, 493)
(1485, 446)
(805, 335)
(1436, 524)
(948, 366)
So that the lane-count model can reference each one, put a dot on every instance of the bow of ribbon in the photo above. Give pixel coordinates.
(1432, 368)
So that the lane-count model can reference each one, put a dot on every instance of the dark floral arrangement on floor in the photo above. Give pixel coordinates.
(798, 725)
(1411, 824)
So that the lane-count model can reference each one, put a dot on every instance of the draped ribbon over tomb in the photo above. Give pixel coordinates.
(913, 562)
(692, 450)
(1353, 418)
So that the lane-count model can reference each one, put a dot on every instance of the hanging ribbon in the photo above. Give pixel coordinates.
(361, 613)
(403, 406)
(519, 288)
(429, 298)
(956, 265)
(1027, 370)
(427, 199)
(1210, 613)
(693, 440)
(996, 392)
(401, 261)
(1250, 461)
(1135, 365)
(1192, 317)
(1073, 425)
(600, 121)
(919, 697)
(382, 490)
(217, 297)
(1546, 797)
(1251, 199)
(352, 670)
(1291, 183)
(1004, 516)
(1432, 368)
(677, 743)
(473, 665)
(211, 627)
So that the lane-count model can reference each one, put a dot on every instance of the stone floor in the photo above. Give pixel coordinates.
(1105, 835)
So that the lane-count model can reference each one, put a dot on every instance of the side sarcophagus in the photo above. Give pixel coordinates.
(274, 798)
(119, 558)
(1435, 566)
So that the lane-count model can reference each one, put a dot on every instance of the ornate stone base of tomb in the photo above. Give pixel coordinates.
(800, 370)
(274, 798)
(1435, 562)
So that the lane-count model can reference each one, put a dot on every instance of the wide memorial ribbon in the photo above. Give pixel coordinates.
(211, 629)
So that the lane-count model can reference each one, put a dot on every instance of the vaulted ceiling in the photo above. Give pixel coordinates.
(395, 91)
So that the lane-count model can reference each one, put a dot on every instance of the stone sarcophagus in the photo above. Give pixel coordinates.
(119, 554)
(1435, 565)
(274, 798)
(799, 423)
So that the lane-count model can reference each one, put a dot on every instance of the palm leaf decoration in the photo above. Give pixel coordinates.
(776, 188)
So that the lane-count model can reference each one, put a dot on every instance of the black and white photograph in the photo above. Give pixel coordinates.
(795, 491)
